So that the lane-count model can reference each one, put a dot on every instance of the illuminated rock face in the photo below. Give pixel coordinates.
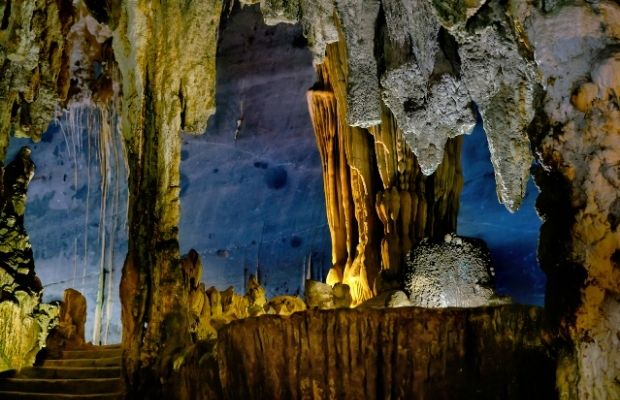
(456, 272)
(577, 140)
(378, 201)
(34, 73)
(166, 57)
(24, 320)
(15, 248)
(430, 63)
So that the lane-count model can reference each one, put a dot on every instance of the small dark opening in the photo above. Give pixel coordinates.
(6, 16)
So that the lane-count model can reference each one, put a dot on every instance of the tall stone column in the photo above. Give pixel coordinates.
(378, 201)
(576, 136)
(166, 55)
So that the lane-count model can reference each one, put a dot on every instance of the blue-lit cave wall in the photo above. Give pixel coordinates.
(251, 186)
(74, 235)
(511, 238)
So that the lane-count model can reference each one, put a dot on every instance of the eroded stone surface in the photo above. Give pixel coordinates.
(33, 66)
(577, 143)
(501, 81)
(16, 257)
(358, 21)
(454, 273)
(71, 322)
(24, 320)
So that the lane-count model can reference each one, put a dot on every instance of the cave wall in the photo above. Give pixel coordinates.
(24, 320)
(33, 65)
(576, 136)
(76, 214)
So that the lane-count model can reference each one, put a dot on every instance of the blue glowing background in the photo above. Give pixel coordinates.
(511, 238)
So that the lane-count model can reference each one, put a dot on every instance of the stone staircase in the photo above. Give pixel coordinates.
(92, 372)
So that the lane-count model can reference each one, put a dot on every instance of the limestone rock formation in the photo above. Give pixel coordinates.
(24, 324)
(543, 73)
(16, 257)
(407, 353)
(378, 201)
(454, 273)
(34, 73)
(69, 332)
(325, 297)
(421, 84)
(319, 295)
(166, 58)
(575, 137)
(285, 305)
(73, 317)
(24, 320)
(387, 299)
(358, 21)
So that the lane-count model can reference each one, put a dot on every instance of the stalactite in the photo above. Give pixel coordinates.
(378, 201)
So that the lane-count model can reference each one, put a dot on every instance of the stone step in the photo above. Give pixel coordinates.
(96, 362)
(70, 372)
(91, 354)
(59, 396)
(59, 386)
(110, 346)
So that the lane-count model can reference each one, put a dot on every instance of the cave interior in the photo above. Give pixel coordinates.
(310, 199)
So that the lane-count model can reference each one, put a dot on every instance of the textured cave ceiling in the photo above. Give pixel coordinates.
(251, 186)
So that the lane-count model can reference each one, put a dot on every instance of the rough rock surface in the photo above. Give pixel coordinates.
(387, 299)
(15, 249)
(319, 295)
(358, 21)
(24, 320)
(454, 273)
(166, 57)
(435, 61)
(34, 75)
(69, 332)
(165, 54)
(406, 353)
(284, 305)
(421, 85)
(498, 69)
(576, 138)
(325, 297)
(24, 324)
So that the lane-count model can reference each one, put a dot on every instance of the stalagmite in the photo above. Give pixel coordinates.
(575, 137)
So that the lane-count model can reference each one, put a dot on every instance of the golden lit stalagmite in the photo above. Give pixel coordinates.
(378, 201)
